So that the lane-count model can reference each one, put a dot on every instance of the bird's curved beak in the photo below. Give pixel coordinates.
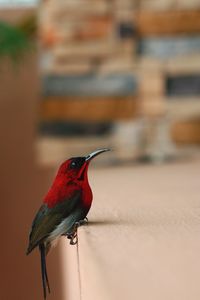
(95, 153)
(88, 158)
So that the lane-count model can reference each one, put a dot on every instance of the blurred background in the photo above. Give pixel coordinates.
(77, 75)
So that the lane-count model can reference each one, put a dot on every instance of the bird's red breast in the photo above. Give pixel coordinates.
(64, 187)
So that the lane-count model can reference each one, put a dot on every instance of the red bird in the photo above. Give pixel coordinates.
(64, 208)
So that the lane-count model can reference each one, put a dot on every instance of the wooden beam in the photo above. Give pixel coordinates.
(88, 109)
(186, 132)
(168, 23)
(99, 49)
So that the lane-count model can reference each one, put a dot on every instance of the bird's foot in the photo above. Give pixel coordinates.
(82, 222)
(73, 236)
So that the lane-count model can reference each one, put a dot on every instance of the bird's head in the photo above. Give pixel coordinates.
(76, 167)
(73, 170)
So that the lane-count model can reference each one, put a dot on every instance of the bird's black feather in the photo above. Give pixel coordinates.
(45, 281)
(47, 219)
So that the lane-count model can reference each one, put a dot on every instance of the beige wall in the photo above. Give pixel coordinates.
(22, 185)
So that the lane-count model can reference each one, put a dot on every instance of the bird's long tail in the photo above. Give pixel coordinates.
(45, 281)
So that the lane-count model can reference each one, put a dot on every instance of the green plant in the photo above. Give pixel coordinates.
(16, 41)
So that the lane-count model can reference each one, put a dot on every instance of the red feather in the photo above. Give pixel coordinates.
(65, 185)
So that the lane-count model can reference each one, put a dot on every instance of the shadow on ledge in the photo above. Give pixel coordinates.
(103, 222)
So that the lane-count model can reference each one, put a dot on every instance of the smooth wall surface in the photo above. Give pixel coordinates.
(22, 185)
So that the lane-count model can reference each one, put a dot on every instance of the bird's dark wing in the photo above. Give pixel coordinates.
(47, 219)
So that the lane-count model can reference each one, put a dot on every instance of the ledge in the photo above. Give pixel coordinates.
(143, 239)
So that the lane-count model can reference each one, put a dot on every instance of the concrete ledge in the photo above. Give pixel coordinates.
(143, 239)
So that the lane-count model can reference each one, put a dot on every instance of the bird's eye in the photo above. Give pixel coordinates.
(73, 164)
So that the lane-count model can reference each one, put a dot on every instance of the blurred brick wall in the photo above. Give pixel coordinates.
(149, 42)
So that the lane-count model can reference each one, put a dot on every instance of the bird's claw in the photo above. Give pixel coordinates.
(82, 222)
(73, 237)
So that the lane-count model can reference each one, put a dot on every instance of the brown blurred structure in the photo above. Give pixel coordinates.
(156, 43)
(22, 183)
